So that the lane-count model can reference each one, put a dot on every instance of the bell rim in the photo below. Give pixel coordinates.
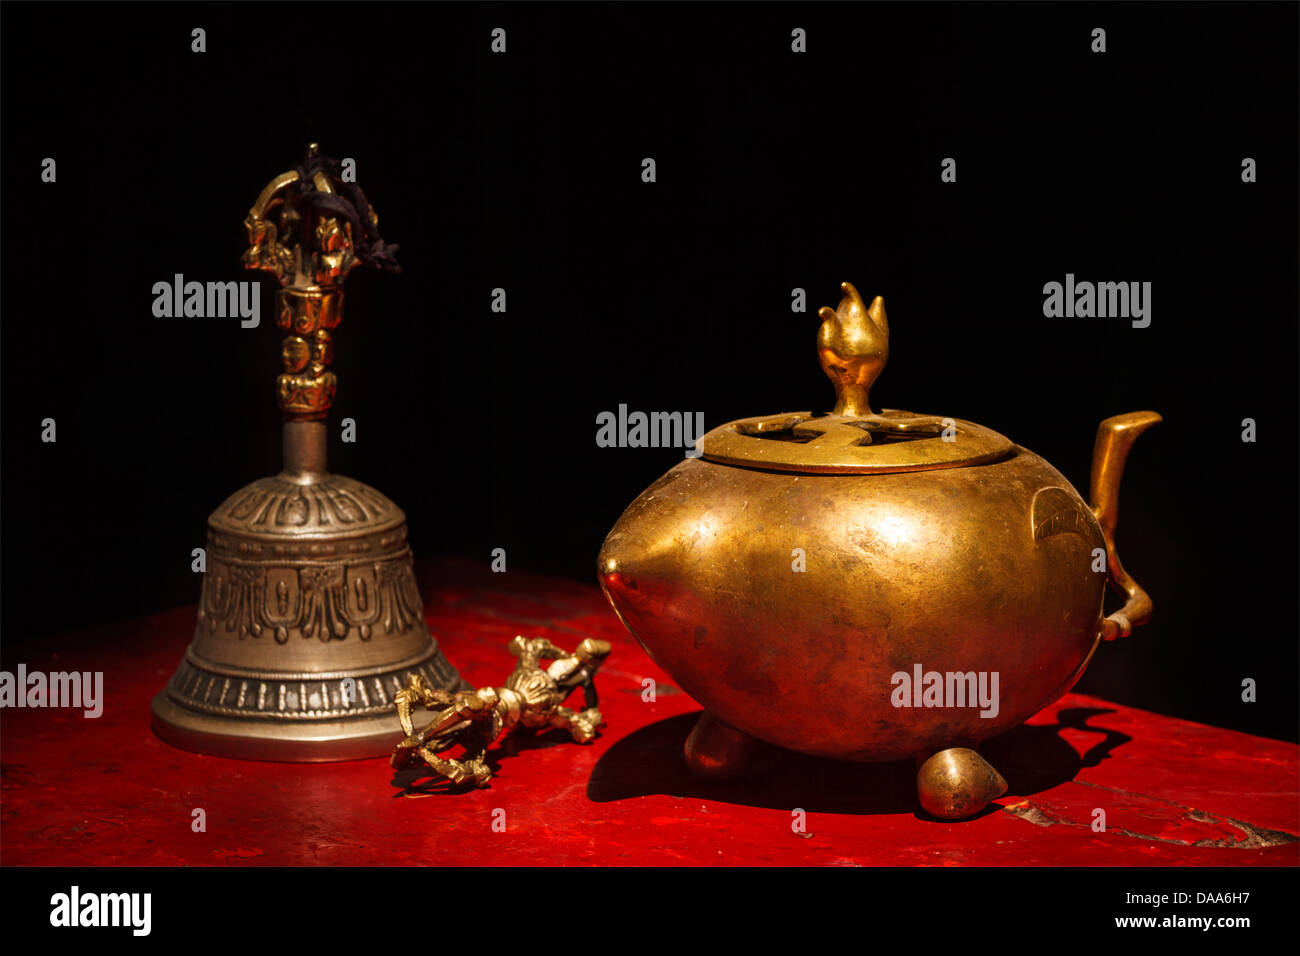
(325, 741)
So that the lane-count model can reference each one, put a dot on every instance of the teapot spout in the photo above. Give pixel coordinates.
(1115, 438)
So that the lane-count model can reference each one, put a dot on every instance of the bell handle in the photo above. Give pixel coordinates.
(1115, 438)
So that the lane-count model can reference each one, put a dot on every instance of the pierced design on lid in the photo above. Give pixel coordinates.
(853, 347)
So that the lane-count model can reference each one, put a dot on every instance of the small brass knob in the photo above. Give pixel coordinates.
(853, 347)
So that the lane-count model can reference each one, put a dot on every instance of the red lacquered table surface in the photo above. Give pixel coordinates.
(107, 791)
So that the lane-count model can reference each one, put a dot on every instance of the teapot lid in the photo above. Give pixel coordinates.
(853, 346)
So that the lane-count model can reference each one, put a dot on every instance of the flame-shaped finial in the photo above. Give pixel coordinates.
(853, 347)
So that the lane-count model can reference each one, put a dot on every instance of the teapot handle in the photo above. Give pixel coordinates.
(1115, 437)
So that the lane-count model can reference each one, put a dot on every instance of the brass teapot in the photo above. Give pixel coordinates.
(872, 586)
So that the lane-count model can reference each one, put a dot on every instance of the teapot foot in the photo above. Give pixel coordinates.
(716, 750)
(956, 783)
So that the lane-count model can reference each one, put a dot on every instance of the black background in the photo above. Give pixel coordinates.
(775, 170)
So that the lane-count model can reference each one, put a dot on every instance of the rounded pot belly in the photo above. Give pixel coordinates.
(800, 608)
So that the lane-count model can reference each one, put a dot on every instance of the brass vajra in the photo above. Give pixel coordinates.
(533, 697)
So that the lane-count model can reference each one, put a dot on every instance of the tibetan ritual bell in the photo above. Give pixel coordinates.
(872, 586)
(310, 619)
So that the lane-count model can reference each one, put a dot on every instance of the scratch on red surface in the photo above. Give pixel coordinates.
(240, 854)
(1174, 816)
